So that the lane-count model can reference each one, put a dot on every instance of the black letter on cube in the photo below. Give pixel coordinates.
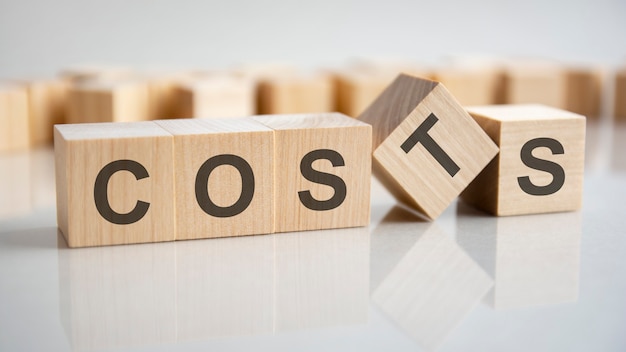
(420, 135)
(322, 178)
(558, 174)
(247, 186)
(101, 197)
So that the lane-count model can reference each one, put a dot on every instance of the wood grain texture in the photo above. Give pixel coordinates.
(198, 140)
(216, 96)
(14, 121)
(293, 94)
(82, 151)
(47, 101)
(296, 136)
(109, 101)
(583, 91)
(415, 177)
(620, 95)
(497, 189)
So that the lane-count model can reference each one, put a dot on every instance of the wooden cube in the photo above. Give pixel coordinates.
(163, 93)
(541, 161)
(217, 95)
(47, 99)
(620, 95)
(356, 90)
(470, 85)
(583, 91)
(96, 71)
(224, 177)
(292, 94)
(427, 149)
(322, 171)
(109, 101)
(115, 183)
(14, 122)
(534, 83)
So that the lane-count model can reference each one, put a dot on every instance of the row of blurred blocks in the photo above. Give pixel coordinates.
(29, 108)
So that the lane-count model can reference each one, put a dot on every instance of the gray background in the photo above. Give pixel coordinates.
(39, 37)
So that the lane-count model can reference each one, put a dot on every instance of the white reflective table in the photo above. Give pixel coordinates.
(465, 282)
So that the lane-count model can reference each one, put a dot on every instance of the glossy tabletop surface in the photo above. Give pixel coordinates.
(465, 282)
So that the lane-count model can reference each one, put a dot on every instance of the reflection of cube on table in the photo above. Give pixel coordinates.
(540, 165)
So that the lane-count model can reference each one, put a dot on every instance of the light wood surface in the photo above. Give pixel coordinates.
(47, 100)
(196, 141)
(498, 189)
(620, 95)
(215, 96)
(417, 177)
(109, 101)
(298, 93)
(14, 121)
(584, 91)
(470, 85)
(81, 153)
(534, 83)
(300, 140)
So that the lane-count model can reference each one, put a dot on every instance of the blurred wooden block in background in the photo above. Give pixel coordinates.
(620, 95)
(359, 85)
(292, 94)
(427, 149)
(115, 183)
(47, 101)
(322, 171)
(224, 177)
(163, 93)
(541, 161)
(109, 101)
(470, 85)
(583, 91)
(87, 72)
(534, 83)
(14, 120)
(216, 95)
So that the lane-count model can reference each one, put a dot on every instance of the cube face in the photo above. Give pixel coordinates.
(433, 154)
(46, 101)
(543, 84)
(296, 94)
(115, 183)
(217, 97)
(109, 102)
(541, 163)
(584, 91)
(224, 177)
(322, 171)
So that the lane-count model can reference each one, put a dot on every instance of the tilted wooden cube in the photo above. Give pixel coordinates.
(541, 161)
(322, 171)
(224, 177)
(109, 101)
(115, 183)
(14, 121)
(427, 149)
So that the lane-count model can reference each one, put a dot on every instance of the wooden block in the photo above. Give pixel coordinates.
(88, 72)
(115, 183)
(322, 171)
(583, 91)
(163, 94)
(470, 85)
(296, 94)
(232, 200)
(541, 161)
(620, 95)
(109, 101)
(47, 100)
(534, 83)
(217, 95)
(427, 149)
(14, 122)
